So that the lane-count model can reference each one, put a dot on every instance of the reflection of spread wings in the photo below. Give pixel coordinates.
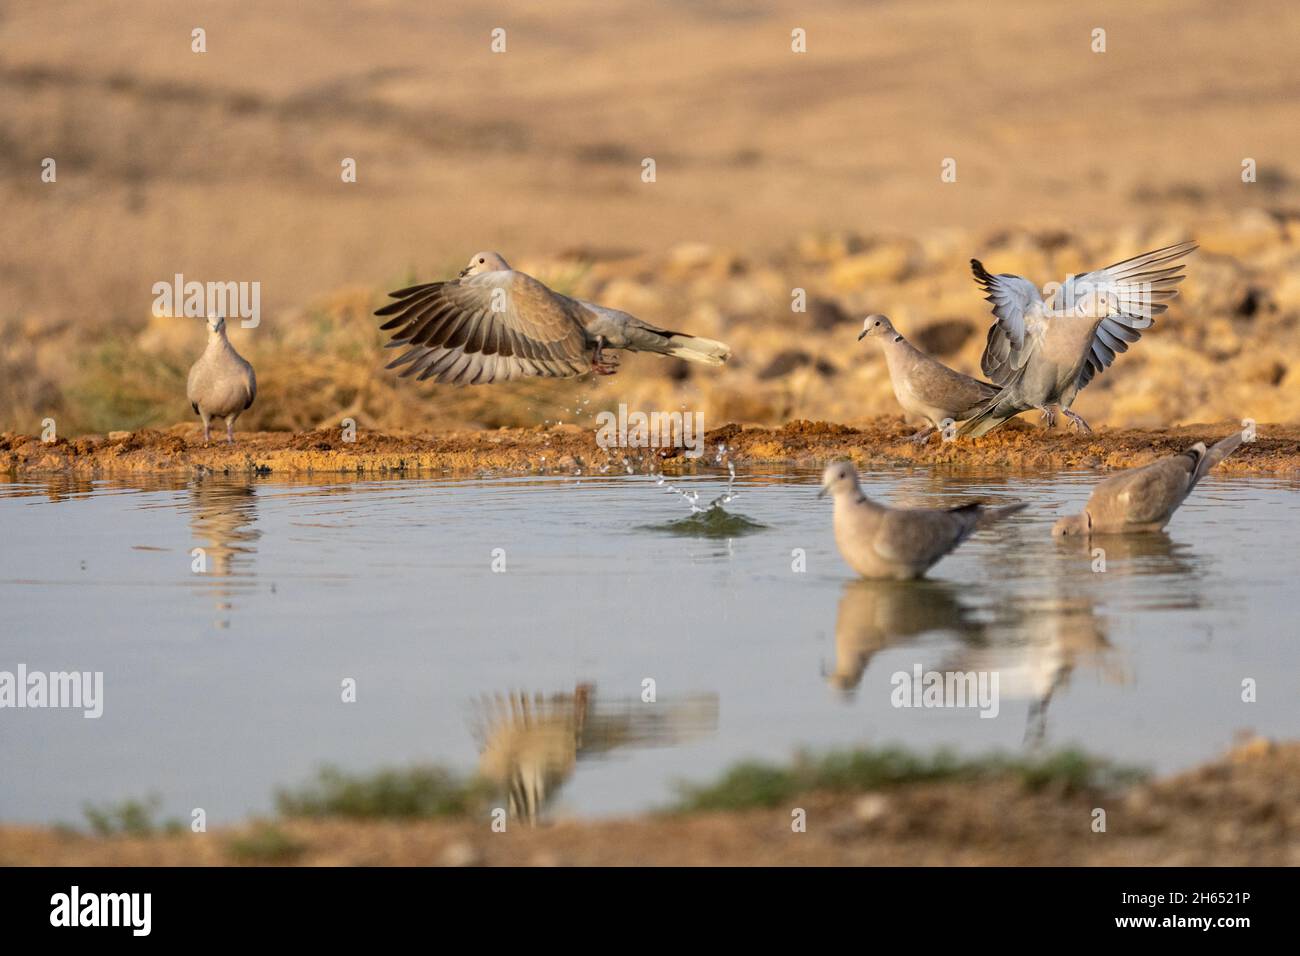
(489, 327)
(529, 745)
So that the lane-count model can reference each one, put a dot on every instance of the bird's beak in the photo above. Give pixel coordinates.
(463, 273)
(822, 492)
(862, 335)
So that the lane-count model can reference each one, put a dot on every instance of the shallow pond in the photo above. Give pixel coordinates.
(511, 624)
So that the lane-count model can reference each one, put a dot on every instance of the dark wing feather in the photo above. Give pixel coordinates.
(489, 327)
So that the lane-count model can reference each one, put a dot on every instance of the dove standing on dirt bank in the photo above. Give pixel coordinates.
(898, 543)
(493, 324)
(925, 388)
(1042, 353)
(1144, 499)
(221, 382)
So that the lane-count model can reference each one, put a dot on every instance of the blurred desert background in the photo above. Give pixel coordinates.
(775, 171)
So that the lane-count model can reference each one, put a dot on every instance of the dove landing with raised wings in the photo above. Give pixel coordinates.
(493, 324)
(1043, 352)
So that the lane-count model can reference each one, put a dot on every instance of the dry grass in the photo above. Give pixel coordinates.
(323, 363)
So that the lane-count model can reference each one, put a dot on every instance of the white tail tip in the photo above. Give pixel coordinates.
(693, 349)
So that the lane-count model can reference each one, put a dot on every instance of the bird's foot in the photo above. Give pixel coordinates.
(1077, 420)
(923, 436)
(602, 365)
(1049, 416)
(599, 364)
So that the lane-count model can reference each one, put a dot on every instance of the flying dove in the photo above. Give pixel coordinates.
(1042, 353)
(925, 388)
(1144, 499)
(898, 543)
(221, 382)
(493, 324)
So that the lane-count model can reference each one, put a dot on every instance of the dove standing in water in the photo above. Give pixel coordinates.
(221, 383)
(925, 388)
(898, 543)
(493, 324)
(1042, 353)
(1144, 499)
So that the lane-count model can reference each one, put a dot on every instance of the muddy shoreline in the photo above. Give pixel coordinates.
(570, 449)
(1240, 810)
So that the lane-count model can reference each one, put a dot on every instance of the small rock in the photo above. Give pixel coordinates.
(827, 314)
(463, 853)
(888, 262)
(871, 808)
(118, 436)
(1254, 749)
(945, 337)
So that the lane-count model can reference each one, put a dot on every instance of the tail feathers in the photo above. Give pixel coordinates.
(995, 412)
(1208, 458)
(694, 349)
(992, 514)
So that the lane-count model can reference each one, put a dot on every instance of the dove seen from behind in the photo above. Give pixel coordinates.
(1043, 352)
(221, 383)
(1144, 499)
(493, 324)
(899, 544)
(925, 388)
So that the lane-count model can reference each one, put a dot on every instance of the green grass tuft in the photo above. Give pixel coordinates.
(757, 784)
(128, 818)
(406, 793)
(265, 843)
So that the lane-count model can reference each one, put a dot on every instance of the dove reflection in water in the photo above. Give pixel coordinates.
(529, 746)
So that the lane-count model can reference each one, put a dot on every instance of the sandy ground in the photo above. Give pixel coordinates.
(570, 449)
(227, 163)
(1241, 810)
(776, 171)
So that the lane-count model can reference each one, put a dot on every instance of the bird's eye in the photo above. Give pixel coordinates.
(481, 261)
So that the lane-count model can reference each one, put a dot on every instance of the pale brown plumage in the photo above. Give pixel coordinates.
(874, 615)
(923, 386)
(899, 543)
(1042, 352)
(221, 383)
(494, 324)
(1144, 499)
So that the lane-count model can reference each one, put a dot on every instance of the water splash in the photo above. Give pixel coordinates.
(711, 520)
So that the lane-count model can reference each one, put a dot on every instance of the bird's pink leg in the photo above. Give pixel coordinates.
(1077, 419)
(598, 363)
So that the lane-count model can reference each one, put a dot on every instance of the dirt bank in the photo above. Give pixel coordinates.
(1243, 809)
(570, 448)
